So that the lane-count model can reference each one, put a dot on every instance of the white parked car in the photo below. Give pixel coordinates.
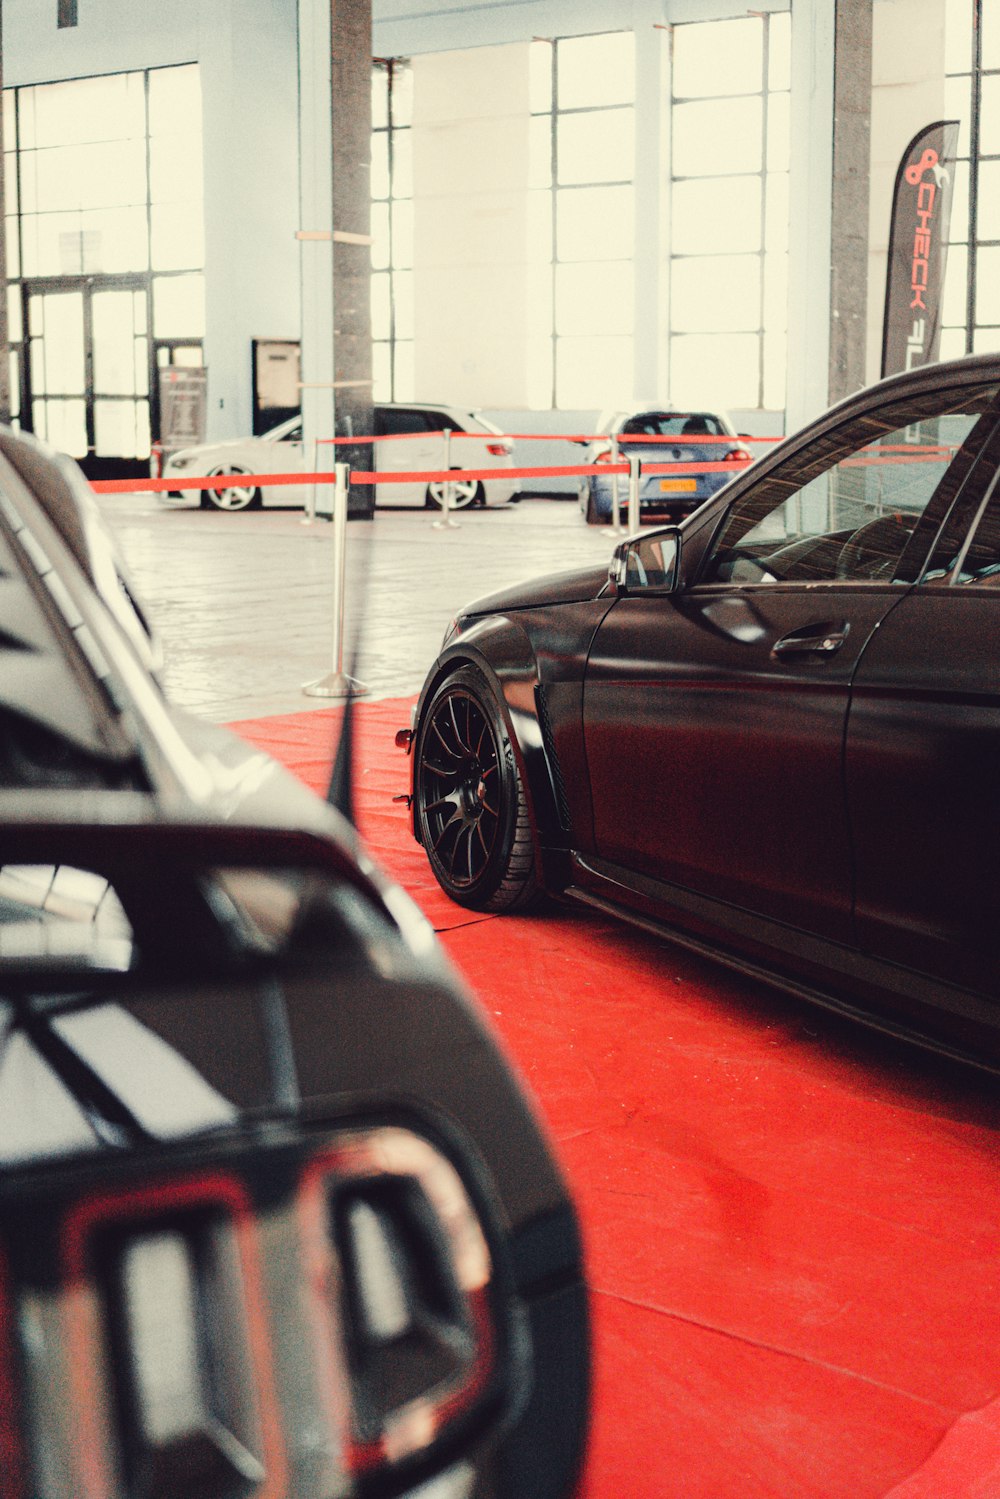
(422, 449)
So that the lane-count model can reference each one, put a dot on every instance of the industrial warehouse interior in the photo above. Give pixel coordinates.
(499, 916)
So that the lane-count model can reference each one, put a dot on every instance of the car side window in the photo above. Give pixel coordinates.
(392, 423)
(846, 510)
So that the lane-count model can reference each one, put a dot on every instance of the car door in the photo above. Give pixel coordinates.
(715, 716)
(419, 448)
(923, 759)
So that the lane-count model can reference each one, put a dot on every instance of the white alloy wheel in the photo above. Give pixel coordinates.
(464, 492)
(233, 496)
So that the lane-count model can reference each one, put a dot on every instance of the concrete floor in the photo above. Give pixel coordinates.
(243, 601)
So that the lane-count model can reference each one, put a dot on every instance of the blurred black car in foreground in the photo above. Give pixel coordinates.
(275, 1217)
(773, 731)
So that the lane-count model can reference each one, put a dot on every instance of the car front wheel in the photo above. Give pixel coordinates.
(471, 808)
(231, 496)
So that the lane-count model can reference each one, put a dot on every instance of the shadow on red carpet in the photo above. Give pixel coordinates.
(792, 1226)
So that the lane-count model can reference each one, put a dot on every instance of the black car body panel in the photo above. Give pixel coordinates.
(237, 1078)
(780, 746)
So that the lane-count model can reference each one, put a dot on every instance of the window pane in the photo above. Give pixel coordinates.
(175, 101)
(596, 70)
(402, 164)
(402, 233)
(120, 366)
(720, 214)
(15, 331)
(175, 168)
(715, 293)
(121, 429)
(109, 108)
(989, 201)
(595, 223)
(777, 211)
(986, 341)
(10, 182)
(380, 236)
(381, 322)
(13, 248)
(380, 96)
(952, 343)
(778, 132)
(402, 95)
(718, 57)
(540, 151)
(402, 303)
(988, 285)
(775, 360)
(953, 296)
(958, 36)
(403, 367)
(540, 77)
(717, 137)
(713, 369)
(593, 372)
(779, 47)
(776, 293)
(381, 372)
(989, 121)
(178, 239)
(63, 424)
(991, 35)
(380, 165)
(56, 324)
(958, 106)
(958, 228)
(594, 297)
(597, 147)
(179, 307)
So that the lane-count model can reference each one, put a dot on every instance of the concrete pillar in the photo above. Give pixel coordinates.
(810, 195)
(334, 221)
(652, 196)
(852, 86)
(4, 329)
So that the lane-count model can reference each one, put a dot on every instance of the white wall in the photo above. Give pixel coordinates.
(470, 168)
(907, 94)
(247, 53)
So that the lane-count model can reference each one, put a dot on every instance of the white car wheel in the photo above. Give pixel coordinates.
(233, 496)
(464, 492)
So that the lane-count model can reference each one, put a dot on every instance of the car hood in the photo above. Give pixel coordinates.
(228, 447)
(575, 587)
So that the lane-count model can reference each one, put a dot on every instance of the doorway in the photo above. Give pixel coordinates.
(87, 366)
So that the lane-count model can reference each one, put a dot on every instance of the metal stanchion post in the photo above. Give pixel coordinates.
(445, 521)
(634, 471)
(616, 514)
(337, 683)
(310, 514)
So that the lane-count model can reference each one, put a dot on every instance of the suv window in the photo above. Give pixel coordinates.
(846, 508)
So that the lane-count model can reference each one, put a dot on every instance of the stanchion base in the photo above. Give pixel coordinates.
(335, 684)
(445, 525)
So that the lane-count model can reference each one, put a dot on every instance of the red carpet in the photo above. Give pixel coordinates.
(793, 1228)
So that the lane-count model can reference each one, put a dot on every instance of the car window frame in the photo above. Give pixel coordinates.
(951, 489)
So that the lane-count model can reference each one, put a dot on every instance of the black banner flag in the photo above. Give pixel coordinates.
(918, 248)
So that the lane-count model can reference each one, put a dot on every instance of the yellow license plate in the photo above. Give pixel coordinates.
(678, 486)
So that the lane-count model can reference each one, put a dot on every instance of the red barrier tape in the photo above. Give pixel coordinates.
(578, 437)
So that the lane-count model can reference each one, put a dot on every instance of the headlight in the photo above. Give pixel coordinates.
(179, 460)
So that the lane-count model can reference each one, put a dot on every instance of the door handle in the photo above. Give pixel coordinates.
(813, 640)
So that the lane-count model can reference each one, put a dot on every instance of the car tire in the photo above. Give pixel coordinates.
(234, 496)
(471, 809)
(464, 494)
(594, 516)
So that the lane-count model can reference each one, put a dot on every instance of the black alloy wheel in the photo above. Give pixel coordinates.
(472, 814)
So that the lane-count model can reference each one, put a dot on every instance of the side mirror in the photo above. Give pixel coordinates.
(647, 564)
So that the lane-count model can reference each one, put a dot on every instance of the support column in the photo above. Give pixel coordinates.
(335, 212)
(852, 91)
(4, 329)
(810, 193)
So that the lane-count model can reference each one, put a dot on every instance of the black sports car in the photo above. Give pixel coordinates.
(773, 731)
(275, 1217)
